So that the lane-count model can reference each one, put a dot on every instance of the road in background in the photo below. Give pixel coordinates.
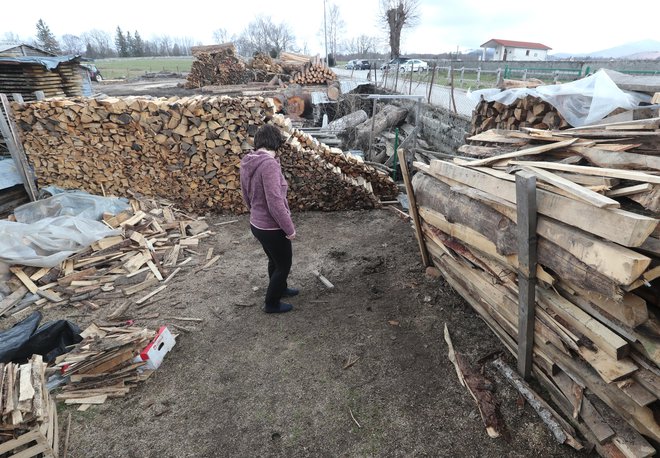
(440, 95)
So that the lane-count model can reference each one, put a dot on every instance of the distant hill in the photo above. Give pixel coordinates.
(645, 49)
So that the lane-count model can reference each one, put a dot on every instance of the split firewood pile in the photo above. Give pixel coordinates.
(155, 243)
(186, 150)
(28, 415)
(527, 111)
(217, 65)
(264, 68)
(597, 331)
(104, 365)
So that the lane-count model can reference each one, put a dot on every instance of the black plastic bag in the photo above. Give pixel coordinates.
(50, 340)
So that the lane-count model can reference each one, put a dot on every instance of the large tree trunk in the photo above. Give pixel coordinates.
(389, 116)
(349, 121)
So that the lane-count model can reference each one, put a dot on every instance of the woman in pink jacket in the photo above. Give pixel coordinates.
(264, 192)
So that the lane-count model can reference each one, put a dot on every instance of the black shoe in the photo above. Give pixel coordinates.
(282, 307)
(290, 292)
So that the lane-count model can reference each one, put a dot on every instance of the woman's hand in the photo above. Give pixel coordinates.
(292, 236)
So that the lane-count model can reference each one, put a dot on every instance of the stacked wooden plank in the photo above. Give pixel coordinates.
(186, 150)
(26, 78)
(133, 267)
(527, 111)
(314, 74)
(597, 333)
(103, 365)
(28, 416)
(217, 65)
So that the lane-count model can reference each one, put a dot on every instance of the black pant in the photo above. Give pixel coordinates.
(280, 255)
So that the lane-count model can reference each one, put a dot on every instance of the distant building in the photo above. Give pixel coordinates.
(22, 50)
(508, 50)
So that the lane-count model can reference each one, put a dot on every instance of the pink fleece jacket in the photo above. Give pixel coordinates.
(264, 192)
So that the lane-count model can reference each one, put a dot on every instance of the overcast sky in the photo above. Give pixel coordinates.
(572, 26)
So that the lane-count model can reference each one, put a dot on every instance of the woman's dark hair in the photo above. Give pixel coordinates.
(268, 137)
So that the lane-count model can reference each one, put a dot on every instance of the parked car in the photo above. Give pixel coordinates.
(93, 72)
(358, 64)
(394, 63)
(414, 65)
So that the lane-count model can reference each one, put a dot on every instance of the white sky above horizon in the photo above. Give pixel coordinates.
(444, 25)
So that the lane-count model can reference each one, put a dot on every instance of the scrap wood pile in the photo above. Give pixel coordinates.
(154, 244)
(527, 111)
(597, 333)
(216, 65)
(28, 415)
(103, 365)
(186, 150)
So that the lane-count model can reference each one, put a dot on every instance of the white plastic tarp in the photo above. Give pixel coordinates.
(48, 242)
(48, 231)
(582, 102)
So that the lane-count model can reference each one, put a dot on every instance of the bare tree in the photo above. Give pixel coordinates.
(220, 35)
(72, 44)
(336, 26)
(11, 37)
(97, 43)
(262, 35)
(397, 15)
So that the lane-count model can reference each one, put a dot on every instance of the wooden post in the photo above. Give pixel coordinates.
(431, 86)
(371, 134)
(526, 212)
(13, 141)
(396, 79)
(412, 70)
(412, 210)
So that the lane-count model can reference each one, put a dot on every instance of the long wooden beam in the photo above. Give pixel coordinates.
(623, 227)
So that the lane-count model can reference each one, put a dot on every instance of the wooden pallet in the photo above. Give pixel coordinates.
(44, 440)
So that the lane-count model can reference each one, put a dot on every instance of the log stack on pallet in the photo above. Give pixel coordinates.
(527, 111)
(597, 331)
(216, 65)
(155, 242)
(186, 150)
(28, 415)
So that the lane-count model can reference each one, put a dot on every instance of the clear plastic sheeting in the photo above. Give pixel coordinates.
(49, 241)
(69, 203)
(582, 102)
(48, 231)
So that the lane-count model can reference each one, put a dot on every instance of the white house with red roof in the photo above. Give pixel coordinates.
(509, 50)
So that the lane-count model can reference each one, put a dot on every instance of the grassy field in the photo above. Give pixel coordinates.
(132, 67)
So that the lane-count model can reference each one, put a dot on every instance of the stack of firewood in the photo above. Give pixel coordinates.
(155, 242)
(217, 65)
(314, 74)
(186, 150)
(27, 413)
(524, 112)
(596, 332)
(264, 68)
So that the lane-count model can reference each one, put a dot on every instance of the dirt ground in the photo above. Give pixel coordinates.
(243, 383)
